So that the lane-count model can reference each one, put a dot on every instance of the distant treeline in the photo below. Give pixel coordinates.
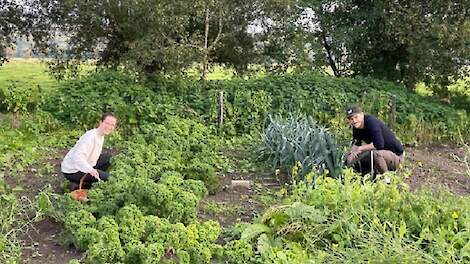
(24, 48)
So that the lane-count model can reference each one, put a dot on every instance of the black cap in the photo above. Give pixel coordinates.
(351, 110)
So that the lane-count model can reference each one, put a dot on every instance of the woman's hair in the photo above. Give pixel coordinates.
(103, 117)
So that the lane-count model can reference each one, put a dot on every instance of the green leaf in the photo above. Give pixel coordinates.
(264, 244)
(253, 231)
(44, 203)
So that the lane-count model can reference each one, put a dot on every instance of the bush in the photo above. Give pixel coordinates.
(20, 99)
(248, 103)
(83, 101)
(325, 98)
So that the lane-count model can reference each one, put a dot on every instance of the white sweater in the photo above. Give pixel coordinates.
(84, 155)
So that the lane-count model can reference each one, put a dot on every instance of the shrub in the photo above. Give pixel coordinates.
(249, 102)
(83, 101)
(324, 98)
(20, 99)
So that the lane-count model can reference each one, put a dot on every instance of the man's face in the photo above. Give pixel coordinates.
(107, 125)
(356, 120)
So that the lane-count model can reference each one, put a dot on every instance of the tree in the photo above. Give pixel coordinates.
(436, 39)
(284, 39)
(396, 40)
(237, 47)
(148, 35)
(11, 25)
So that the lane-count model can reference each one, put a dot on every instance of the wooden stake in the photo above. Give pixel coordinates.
(221, 109)
(392, 111)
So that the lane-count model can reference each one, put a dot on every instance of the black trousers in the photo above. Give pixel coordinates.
(101, 166)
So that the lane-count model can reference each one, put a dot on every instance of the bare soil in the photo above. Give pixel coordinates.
(236, 203)
(438, 167)
(41, 241)
(41, 246)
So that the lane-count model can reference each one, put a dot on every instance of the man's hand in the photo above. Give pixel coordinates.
(355, 151)
(95, 174)
(353, 154)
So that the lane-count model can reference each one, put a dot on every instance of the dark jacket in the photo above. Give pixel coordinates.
(375, 131)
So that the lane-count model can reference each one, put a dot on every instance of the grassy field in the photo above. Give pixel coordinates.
(33, 72)
(26, 72)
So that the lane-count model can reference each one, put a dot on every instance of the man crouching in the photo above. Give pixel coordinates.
(387, 151)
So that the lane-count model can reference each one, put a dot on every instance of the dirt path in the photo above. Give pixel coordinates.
(41, 241)
(234, 204)
(438, 166)
(41, 246)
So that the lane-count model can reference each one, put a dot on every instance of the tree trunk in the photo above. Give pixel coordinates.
(205, 59)
(410, 77)
(329, 55)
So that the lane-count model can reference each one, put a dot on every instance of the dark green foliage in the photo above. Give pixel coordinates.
(147, 36)
(12, 23)
(398, 41)
(20, 99)
(394, 40)
(248, 103)
(419, 119)
(83, 101)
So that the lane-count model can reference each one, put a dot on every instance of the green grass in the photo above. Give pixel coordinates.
(26, 72)
(423, 90)
(214, 73)
(33, 72)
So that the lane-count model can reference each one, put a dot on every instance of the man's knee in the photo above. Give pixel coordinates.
(378, 156)
(387, 158)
